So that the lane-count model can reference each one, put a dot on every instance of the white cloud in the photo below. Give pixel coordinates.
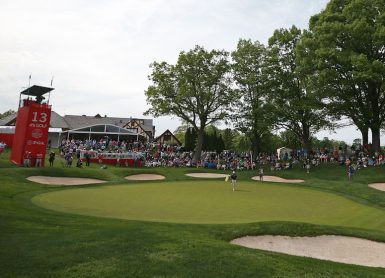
(99, 51)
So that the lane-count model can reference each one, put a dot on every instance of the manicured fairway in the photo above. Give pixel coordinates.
(213, 202)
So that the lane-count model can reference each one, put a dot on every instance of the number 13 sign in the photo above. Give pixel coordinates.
(39, 117)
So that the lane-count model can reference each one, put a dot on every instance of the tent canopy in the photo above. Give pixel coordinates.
(281, 151)
(102, 129)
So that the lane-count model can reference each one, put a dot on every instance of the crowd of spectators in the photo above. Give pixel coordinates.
(354, 158)
(154, 154)
(168, 156)
(103, 145)
(165, 155)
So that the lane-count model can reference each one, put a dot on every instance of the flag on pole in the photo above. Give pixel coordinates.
(51, 81)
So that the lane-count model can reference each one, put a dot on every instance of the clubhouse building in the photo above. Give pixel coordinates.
(86, 127)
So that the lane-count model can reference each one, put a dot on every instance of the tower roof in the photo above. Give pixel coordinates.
(36, 91)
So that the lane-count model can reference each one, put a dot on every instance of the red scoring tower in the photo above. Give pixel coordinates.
(32, 124)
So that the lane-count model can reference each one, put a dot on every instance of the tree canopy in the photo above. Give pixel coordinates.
(295, 105)
(299, 84)
(252, 113)
(197, 89)
(347, 44)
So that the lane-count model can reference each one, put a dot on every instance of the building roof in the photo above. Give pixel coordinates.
(147, 123)
(58, 121)
(8, 119)
(168, 132)
(75, 121)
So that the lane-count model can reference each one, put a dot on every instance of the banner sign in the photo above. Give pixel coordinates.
(31, 133)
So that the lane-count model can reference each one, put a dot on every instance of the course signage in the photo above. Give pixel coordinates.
(31, 134)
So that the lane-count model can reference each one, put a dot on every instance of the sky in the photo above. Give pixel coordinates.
(98, 52)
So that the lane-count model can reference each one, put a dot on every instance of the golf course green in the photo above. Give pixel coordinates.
(214, 202)
(180, 226)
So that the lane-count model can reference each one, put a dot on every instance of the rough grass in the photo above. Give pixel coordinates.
(36, 242)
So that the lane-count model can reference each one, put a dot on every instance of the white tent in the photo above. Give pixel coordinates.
(281, 152)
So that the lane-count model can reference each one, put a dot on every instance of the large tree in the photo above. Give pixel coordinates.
(343, 100)
(295, 105)
(197, 89)
(347, 44)
(251, 115)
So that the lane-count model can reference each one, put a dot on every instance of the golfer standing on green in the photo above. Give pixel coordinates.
(234, 180)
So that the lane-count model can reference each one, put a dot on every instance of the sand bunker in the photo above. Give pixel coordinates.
(207, 175)
(276, 179)
(63, 180)
(340, 249)
(378, 186)
(145, 177)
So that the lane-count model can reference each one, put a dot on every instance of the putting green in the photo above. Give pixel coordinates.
(213, 202)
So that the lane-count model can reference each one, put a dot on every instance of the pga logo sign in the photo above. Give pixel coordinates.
(37, 133)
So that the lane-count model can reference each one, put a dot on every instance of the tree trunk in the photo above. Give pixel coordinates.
(376, 138)
(365, 136)
(306, 144)
(199, 146)
(255, 144)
